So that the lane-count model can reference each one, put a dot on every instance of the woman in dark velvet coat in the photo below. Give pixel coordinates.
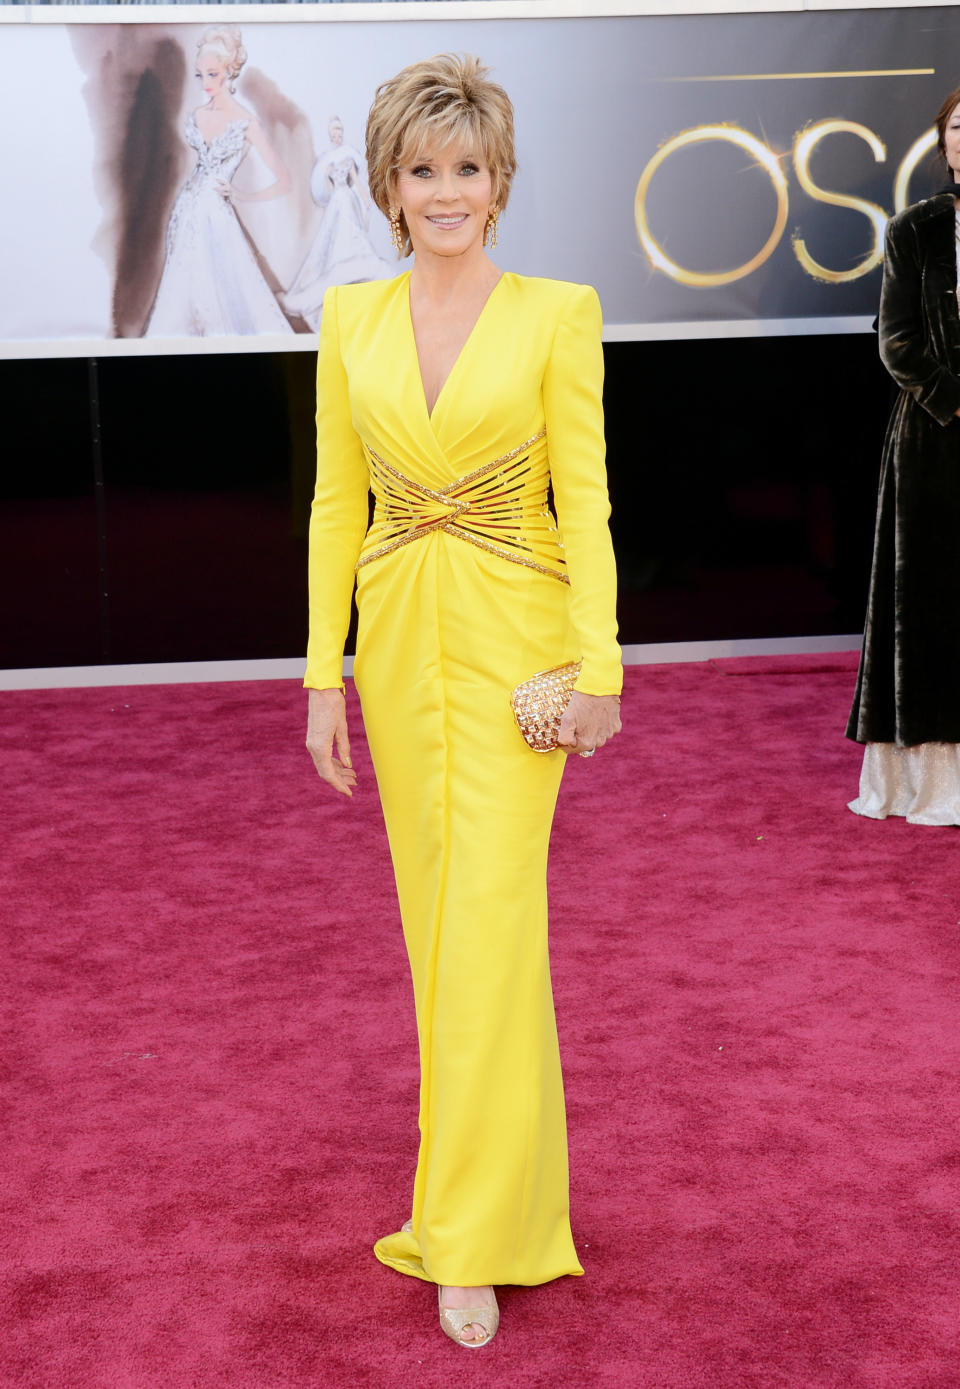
(907, 705)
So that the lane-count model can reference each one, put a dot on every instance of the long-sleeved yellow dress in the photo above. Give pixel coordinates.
(465, 587)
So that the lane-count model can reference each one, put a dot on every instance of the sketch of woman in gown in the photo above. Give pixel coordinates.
(342, 252)
(211, 282)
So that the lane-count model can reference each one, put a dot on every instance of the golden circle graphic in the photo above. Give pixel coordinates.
(901, 187)
(765, 159)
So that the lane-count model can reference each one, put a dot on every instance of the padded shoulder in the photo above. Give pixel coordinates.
(918, 215)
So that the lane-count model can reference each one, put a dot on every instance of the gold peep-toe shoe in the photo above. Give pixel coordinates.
(454, 1319)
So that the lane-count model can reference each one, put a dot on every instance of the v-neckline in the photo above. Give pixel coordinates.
(431, 413)
(209, 144)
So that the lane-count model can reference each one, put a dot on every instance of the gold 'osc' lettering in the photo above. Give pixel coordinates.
(901, 186)
(805, 142)
(803, 147)
(764, 157)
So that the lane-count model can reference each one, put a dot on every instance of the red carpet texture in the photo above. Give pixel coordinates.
(210, 1072)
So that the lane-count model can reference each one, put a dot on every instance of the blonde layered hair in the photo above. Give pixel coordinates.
(441, 101)
(225, 40)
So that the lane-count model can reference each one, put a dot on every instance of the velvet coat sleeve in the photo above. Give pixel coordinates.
(338, 516)
(573, 409)
(909, 322)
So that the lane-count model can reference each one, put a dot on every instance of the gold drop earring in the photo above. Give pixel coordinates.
(396, 231)
(490, 230)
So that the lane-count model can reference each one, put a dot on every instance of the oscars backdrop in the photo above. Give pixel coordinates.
(709, 174)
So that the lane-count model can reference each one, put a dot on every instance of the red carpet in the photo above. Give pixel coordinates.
(210, 1075)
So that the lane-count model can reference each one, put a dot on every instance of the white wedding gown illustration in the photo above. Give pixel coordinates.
(211, 282)
(342, 252)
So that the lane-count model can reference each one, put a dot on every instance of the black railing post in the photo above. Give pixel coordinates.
(100, 506)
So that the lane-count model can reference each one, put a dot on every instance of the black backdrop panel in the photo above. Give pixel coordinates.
(743, 485)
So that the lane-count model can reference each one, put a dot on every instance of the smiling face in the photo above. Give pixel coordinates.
(446, 198)
(951, 142)
(335, 131)
(211, 71)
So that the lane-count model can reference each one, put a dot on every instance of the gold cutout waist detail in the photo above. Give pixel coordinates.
(500, 507)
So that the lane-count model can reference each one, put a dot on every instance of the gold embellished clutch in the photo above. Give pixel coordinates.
(538, 704)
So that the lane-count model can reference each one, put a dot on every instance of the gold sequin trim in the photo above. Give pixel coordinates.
(497, 462)
(506, 554)
(500, 497)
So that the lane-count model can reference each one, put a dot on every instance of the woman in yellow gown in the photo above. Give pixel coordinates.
(457, 394)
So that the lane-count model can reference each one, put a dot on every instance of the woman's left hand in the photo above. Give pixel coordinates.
(588, 722)
(226, 190)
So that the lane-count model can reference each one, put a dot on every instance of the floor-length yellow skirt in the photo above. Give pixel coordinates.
(446, 631)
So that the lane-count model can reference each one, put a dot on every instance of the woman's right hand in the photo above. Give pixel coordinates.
(326, 727)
